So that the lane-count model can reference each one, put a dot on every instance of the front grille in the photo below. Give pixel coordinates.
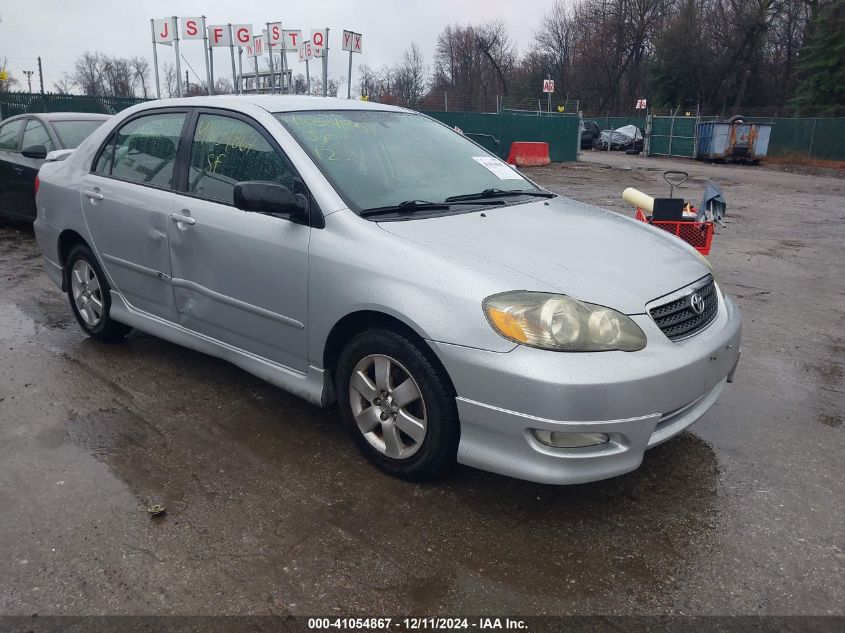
(678, 319)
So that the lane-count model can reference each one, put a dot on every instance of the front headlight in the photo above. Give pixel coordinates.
(558, 322)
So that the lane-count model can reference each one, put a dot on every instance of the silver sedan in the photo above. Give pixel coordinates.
(370, 256)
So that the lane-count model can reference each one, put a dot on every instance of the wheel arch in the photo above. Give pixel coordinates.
(67, 240)
(359, 321)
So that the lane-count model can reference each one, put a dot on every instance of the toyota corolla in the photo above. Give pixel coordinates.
(369, 256)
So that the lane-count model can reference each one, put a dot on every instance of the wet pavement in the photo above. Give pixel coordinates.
(270, 509)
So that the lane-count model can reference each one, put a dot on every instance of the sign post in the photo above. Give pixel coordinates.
(232, 56)
(305, 55)
(194, 29)
(164, 33)
(351, 43)
(178, 58)
(155, 57)
(320, 46)
(241, 37)
(218, 35)
(255, 50)
(274, 37)
(549, 88)
(291, 41)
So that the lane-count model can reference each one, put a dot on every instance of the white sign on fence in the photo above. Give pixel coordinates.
(164, 30)
(192, 28)
(218, 35)
(548, 85)
(242, 33)
(641, 104)
(256, 49)
(352, 42)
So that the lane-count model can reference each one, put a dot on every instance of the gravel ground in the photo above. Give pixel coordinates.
(272, 511)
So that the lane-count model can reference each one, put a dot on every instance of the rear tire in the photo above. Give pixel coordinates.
(398, 405)
(89, 294)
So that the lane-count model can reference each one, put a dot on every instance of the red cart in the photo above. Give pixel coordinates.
(699, 235)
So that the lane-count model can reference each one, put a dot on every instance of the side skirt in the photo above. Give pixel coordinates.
(310, 386)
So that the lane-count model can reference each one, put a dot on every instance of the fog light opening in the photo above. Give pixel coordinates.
(560, 439)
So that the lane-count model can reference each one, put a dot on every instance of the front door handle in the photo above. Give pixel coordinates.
(182, 219)
(94, 195)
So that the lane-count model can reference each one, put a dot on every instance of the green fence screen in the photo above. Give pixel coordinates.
(12, 103)
(496, 132)
(673, 136)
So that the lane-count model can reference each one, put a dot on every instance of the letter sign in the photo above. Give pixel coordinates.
(292, 40)
(548, 85)
(306, 52)
(275, 34)
(352, 42)
(243, 34)
(256, 49)
(218, 35)
(318, 42)
(191, 28)
(163, 31)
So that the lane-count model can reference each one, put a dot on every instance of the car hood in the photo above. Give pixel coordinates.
(564, 246)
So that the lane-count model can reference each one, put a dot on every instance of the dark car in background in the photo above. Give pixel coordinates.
(590, 131)
(25, 141)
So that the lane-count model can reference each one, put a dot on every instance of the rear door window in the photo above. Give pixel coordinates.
(9, 135)
(143, 150)
(36, 134)
(72, 133)
(226, 151)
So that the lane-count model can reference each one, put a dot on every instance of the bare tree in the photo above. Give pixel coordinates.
(168, 77)
(222, 86)
(141, 72)
(411, 77)
(65, 85)
(87, 74)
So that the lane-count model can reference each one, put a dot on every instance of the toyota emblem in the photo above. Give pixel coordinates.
(696, 302)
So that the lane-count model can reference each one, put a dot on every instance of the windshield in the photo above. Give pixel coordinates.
(72, 133)
(381, 159)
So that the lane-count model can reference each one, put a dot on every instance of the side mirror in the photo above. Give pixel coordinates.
(273, 199)
(35, 151)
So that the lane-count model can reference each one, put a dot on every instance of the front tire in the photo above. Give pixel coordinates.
(90, 296)
(399, 406)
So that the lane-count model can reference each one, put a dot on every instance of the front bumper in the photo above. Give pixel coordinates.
(638, 399)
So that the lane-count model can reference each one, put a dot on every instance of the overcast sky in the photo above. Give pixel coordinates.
(60, 30)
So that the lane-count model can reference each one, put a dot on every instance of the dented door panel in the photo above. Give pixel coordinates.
(128, 223)
(242, 278)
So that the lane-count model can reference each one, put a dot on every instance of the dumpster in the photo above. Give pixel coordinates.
(734, 139)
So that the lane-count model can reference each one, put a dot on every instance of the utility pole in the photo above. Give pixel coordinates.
(187, 82)
(29, 74)
(40, 74)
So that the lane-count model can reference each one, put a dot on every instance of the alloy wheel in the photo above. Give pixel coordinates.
(388, 406)
(86, 292)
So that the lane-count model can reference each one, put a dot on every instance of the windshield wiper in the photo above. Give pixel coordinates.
(408, 206)
(499, 193)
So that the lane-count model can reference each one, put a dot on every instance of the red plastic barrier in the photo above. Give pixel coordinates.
(529, 154)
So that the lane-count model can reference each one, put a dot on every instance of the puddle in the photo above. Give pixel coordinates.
(14, 323)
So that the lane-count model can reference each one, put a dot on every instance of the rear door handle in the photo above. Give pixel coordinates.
(182, 219)
(19, 170)
(94, 195)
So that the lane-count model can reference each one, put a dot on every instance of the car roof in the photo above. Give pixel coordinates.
(275, 103)
(72, 116)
